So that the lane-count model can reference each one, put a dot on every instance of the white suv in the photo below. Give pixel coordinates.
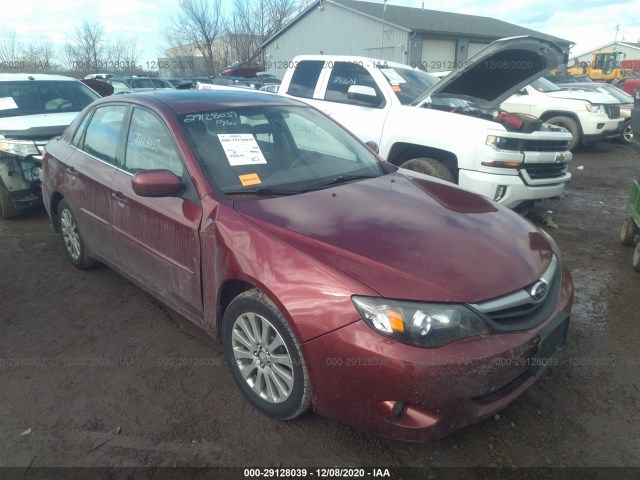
(589, 116)
(33, 109)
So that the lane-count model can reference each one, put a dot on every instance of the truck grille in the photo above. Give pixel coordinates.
(546, 146)
(613, 111)
(545, 170)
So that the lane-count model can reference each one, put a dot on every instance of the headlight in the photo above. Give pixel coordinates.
(420, 324)
(505, 143)
(19, 148)
(595, 108)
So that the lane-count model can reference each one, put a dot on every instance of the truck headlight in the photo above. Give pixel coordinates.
(419, 324)
(595, 108)
(505, 143)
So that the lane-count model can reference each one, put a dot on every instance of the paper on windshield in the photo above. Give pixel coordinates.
(7, 103)
(394, 77)
(241, 149)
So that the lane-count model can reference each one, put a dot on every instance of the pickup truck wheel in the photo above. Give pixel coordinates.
(571, 125)
(628, 231)
(7, 207)
(74, 246)
(264, 357)
(430, 166)
(627, 133)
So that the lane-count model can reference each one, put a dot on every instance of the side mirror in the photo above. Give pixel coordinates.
(364, 94)
(522, 92)
(156, 183)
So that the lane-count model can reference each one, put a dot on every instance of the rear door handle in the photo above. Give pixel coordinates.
(120, 198)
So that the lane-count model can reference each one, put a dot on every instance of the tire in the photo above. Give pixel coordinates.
(636, 258)
(627, 134)
(8, 209)
(283, 392)
(72, 241)
(430, 166)
(628, 231)
(571, 125)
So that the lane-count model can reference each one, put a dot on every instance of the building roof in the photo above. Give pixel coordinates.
(607, 47)
(431, 21)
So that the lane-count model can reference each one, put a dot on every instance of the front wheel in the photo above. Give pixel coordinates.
(74, 246)
(430, 166)
(264, 357)
(571, 125)
(627, 133)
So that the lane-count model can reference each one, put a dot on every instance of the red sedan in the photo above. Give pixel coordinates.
(379, 297)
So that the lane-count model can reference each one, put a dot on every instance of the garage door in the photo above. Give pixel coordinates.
(438, 55)
(475, 48)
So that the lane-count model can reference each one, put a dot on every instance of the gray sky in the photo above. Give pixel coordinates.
(588, 23)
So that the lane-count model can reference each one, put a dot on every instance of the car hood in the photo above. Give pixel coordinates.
(592, 97)
(410, 238)
(36, 127)
(499, 70)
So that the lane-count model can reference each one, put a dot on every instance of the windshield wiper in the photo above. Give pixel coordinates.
(261, 191)
(336, 180)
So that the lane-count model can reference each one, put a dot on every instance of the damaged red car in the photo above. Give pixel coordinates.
(377, 297)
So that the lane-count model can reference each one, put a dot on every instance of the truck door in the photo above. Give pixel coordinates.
(365, 118)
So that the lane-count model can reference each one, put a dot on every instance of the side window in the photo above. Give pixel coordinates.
(77, 137)
(345, 74)
(103, 133)
(305, 77)
(149, 145)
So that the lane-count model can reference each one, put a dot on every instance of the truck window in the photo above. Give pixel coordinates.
(345, 74)
(305, 77)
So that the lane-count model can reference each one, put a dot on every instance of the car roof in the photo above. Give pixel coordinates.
(17, 77)
(189, 101)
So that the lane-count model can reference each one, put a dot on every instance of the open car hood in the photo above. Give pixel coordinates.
(498, 71)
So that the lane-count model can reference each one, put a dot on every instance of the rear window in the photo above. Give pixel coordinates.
(33, 97)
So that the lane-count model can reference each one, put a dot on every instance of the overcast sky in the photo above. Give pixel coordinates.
(588, 23)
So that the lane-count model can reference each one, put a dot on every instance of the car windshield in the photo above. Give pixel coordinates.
(408, 84)
(543, 85)
(33, 97)
(276, 150)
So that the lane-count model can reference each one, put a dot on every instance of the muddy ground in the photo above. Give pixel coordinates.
(85, 354)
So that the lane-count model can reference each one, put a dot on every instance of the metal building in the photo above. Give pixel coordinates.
(631, 51)
(428, 39)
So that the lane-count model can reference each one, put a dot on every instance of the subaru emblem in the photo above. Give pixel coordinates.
(539, 290)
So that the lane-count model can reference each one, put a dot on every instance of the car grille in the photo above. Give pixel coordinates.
(545, 170)
(518, 310)
(613, 111)
(546, 146)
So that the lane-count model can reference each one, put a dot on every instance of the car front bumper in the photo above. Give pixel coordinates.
(361, 378)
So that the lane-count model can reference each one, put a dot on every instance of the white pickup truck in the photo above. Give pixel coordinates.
(448, 129)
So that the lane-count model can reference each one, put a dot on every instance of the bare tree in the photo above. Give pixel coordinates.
(9, 48)
(123, 56)
(254, 21)
(38, 56)
(195, 29)
(85, 51)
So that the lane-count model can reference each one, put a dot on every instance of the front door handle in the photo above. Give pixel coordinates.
(120, 198)
(72, 171)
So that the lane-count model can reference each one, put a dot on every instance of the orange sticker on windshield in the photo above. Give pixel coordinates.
(249, 179)
(396, 88)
